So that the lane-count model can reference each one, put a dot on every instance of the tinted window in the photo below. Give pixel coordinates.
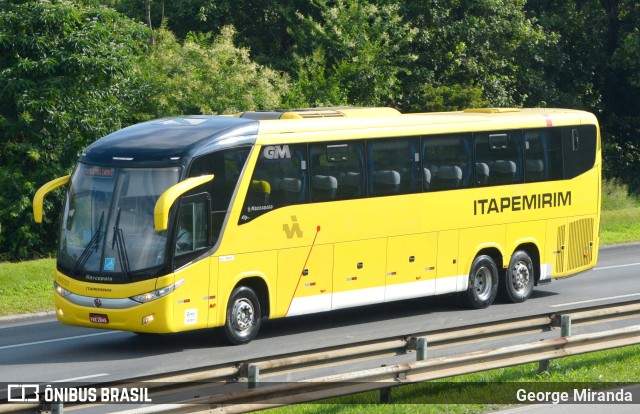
(226, 167)
(337, 171)
(579, 149)
(279, 179)
(543, 155)
(446, 162)
(498, 158)
(394, 166)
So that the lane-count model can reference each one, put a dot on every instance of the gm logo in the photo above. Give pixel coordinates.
(275, 152)
(26, 393)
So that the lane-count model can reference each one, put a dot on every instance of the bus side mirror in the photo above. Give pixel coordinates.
(166, 200)
(38, 199)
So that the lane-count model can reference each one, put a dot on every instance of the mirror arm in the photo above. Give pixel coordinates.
(38, 199)
(166, 200)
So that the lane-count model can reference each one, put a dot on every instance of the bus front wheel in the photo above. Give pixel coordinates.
(243, 316)
(483, 283)
(518, 279)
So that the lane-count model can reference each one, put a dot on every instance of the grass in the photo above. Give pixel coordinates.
(457, 395)
(26, 287)
(620, 226)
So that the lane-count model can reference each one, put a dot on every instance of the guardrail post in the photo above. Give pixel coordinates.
(385, 393)
(421, 349)
(565, 330)
(57, 408)
(565, 325)
(253, 375)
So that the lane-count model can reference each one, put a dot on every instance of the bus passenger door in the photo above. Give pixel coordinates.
(304, 280)
(411, 266)
(192, 241)
(358, 273)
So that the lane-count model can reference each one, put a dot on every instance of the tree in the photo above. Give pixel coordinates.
(207, 75)
(65, 80)
(472, 53)
(353, 53)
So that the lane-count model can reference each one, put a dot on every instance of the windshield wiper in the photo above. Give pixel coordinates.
(94, 242)
(118, 242)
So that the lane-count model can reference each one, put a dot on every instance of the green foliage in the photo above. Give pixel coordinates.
(615, 195)
(489, 47)
(207, 75)
(353, 53)
(64, 81)
(72, 71)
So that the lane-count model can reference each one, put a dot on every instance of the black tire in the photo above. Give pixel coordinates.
(483, 283)
(243, 316)
(517, 284)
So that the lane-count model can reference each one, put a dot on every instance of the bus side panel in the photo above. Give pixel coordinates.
(581, 244)
(359, 273)
(233, 269)
(411, 266)
(555, 248)
(191, 303)
(213, 296)
(448, 276)
(305, 280)
(526, 232)
(478, 238)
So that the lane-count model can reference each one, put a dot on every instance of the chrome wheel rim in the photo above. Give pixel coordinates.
(482, 282)
(521, 276)
(243, 315)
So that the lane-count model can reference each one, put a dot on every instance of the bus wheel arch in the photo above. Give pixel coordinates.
(248, 303)
(484, 277)
(522, 274)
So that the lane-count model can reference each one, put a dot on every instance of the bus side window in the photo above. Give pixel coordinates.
(498, 158)
(579, 149)
(192, 234)
(394, 166)
(336, 171)
(543, 155)
(279, 179)
(446, 162)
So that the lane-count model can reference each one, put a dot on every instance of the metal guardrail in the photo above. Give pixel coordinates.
(422, 369)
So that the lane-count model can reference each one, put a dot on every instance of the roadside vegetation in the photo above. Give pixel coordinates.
(620, 214)
(456, 395)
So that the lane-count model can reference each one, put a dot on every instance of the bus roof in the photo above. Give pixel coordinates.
(176, 140)
(367, 124)
(169, 140)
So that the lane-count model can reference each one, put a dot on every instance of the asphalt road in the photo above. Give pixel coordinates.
(44, 351)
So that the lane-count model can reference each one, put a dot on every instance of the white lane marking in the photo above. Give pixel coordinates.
(81, 378)
(616, 266)
(58, 340)
(595, 300)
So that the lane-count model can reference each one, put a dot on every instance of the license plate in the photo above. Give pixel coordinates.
(98, 318)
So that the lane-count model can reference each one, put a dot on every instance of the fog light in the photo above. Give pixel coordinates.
(60, 312)
(147, 319)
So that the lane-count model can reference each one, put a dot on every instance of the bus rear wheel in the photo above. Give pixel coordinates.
(243, 316)
(483, 283)
(518, 280)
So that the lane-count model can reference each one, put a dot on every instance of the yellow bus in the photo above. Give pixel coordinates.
(220, 221)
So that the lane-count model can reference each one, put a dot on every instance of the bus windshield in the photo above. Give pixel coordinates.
(107, 222)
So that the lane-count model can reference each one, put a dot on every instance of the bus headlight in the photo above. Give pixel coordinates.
(60, 290)
(157, 294)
